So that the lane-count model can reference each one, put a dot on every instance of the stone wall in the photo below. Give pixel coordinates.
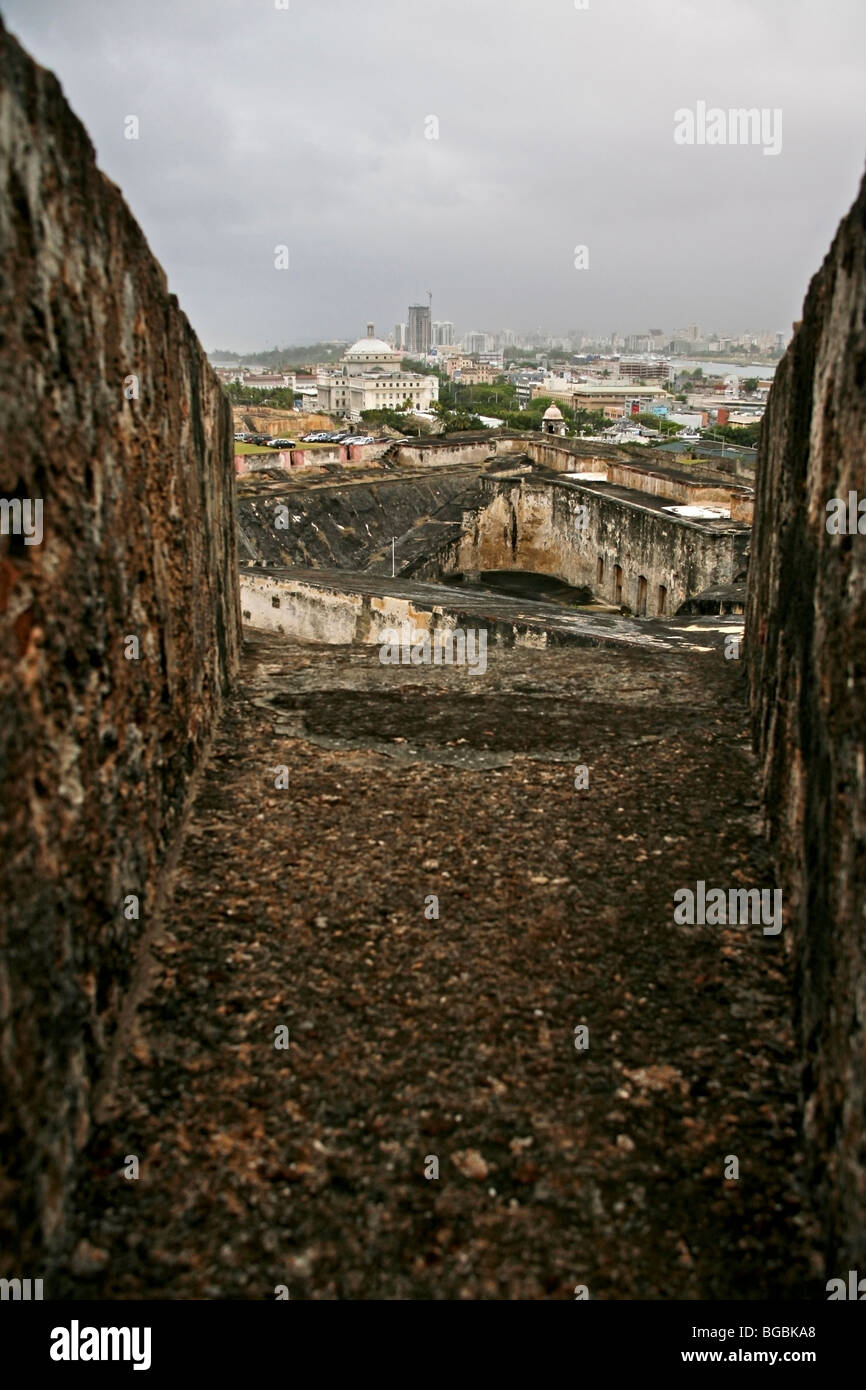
(111, 417)
(806, 643)
(560, 455)
(535, 525)
(691, 492)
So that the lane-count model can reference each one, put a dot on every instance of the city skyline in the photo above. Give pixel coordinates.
(528, 156)
(453, 336)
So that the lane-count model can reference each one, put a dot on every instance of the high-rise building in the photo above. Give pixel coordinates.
(399, 336)
(476, 342)
(419, 329)
(443, 333)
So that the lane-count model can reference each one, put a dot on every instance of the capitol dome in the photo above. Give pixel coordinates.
(371, 347)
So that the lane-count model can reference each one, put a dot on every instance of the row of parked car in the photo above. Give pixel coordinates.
(336, 437)
(266, 441)
(317, 437)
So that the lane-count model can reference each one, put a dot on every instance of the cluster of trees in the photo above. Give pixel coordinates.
(749, 383)
(396, 419)
(737, 434)
(410, 364)
(577, 420)
(239, 393)
(492, 398)
(277, 357)
(735, 350)
(658, 422)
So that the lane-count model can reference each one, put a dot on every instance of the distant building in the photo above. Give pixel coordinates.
(611, 399)
(418, 338)
(492, 359)
(369, 377)
(270, 381)
(452, 362)
(443, 333)
(399, 336)
(639, 370)
(258, 381)
(475, 374)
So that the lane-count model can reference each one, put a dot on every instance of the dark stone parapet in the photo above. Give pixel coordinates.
(111, 418)
(806, 643)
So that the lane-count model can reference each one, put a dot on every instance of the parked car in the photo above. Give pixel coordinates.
(281, 443)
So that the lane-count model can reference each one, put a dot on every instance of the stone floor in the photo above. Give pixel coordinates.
(413, 1037)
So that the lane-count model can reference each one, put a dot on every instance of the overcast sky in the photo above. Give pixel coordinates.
(307, 127)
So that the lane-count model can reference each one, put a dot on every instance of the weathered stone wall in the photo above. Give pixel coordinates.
(436, 453)
(685, 490)
(337, 608)
(561, 455)
(806, 642)
(528, 524)
(96, 750)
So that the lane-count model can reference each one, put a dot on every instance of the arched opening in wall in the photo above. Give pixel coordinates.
(641, 596)
(599, 571)
(617, 583)
(663, 598)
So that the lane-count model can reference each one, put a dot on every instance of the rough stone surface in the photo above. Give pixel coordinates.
(344, 522)
(806, 633)
(96, 750)
(413, 1036)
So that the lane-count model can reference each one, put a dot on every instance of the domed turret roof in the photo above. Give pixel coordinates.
(552, 412)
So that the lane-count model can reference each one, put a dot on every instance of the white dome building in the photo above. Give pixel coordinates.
(369, 378)
(552, 421)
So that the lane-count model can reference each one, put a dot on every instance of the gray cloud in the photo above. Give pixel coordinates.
(306, 127)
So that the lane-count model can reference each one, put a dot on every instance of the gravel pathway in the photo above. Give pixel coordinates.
(414, 1038)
